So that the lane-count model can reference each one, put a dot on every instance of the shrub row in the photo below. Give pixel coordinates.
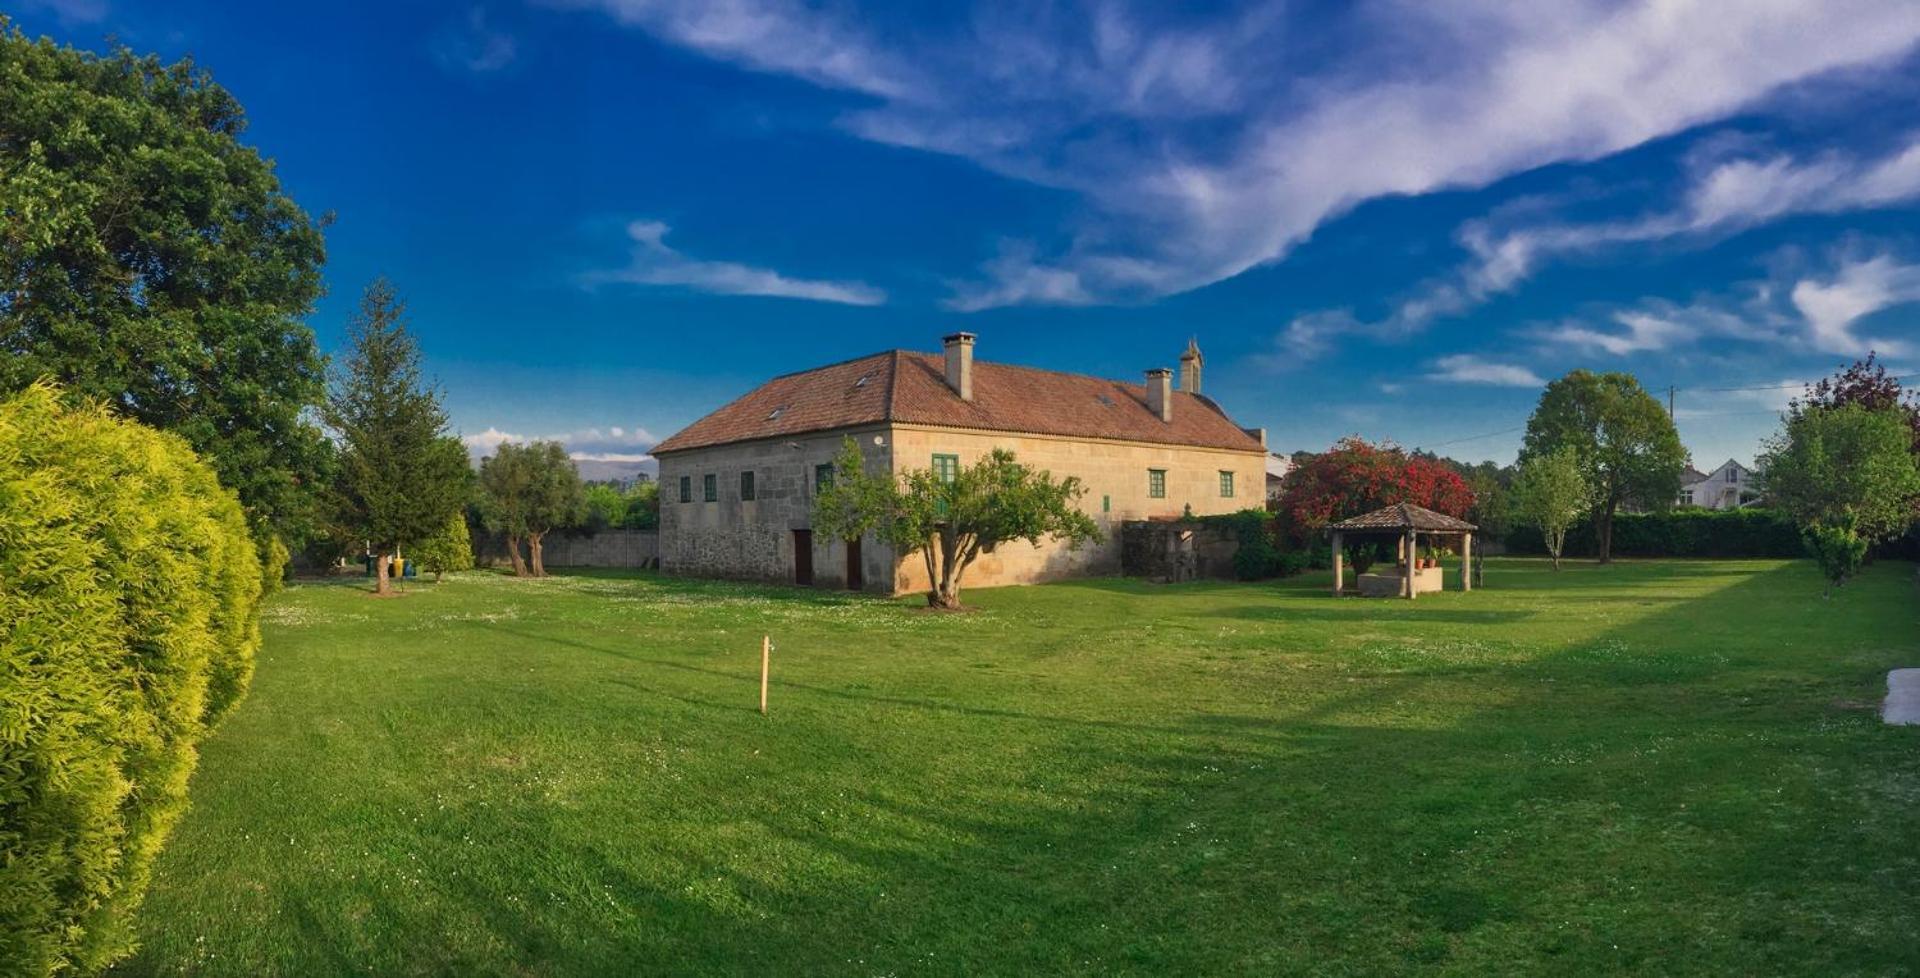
(1678, 533)
(129, 593)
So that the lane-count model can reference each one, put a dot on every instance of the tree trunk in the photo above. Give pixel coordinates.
(1606, 531)
(380, 584)
(513, 555)
(953, 562)
(534, 550)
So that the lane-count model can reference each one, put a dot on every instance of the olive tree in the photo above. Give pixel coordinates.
(950, 520)
(528, 491)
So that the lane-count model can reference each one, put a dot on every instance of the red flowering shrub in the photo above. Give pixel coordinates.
(1355, 477)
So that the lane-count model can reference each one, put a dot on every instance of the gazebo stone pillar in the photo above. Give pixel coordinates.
(1339, 566)
(1466, 561)
(1409, 545)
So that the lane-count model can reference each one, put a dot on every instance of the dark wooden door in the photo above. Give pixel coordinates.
(854, 579)
(803, 558)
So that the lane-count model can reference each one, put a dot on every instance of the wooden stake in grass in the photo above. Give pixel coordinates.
(766, 658)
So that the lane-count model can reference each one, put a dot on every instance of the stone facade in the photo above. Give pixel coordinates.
(756, 539)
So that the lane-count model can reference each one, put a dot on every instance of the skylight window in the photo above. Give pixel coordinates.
(775, 413)
(1104, 399)
(862, 382)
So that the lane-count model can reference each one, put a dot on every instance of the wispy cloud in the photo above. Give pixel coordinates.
(71, 12)
(654, 262)
(1202, 149)
(1722, 196)
(1807, 311)
(473, 45)
(1465, 368)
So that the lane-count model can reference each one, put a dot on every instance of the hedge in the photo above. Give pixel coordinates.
(1678, 533)
(129, 593)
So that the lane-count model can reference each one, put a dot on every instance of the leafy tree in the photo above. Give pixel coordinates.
(1355, 477)
(1552, 493)
(1867, 384)
(401, 475)
(129, 619)
(606, 507)
(150, 260)
(528, 491)
(643, 506)
(1624, 439)
(449, 550)
(1844, 466)
(1839, 550)
(950, 523)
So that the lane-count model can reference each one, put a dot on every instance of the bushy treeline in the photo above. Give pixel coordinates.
(1677, 533)
(129, 594)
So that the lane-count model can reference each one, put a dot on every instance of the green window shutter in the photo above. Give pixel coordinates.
(686, 488)
(746, 487)
(823, 476)
(1157, 483)
(1226, 484)
(710, 488)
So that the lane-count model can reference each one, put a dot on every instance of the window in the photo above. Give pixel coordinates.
(686, 488)
(823, 476)
(1157, 483)
(1733, 474)
(946, 467)
(1106, 504)
(1226, 484)
(710, 488)
(746, 487)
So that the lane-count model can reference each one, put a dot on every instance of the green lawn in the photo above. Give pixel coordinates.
(1670, 767)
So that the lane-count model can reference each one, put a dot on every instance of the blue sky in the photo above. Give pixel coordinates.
(1387, 219)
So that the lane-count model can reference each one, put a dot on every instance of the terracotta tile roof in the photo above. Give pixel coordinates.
(1405, 516)
(911, 388)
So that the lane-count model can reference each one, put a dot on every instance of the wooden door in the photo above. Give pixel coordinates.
(803, 558)
(855, 581)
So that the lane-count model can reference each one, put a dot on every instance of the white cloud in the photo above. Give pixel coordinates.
(1723, 196)
(1200, 156)
(1832, 307)
(1464, 368)
(654, 262)
(472, 45)
(1806, 312)
(611, 444)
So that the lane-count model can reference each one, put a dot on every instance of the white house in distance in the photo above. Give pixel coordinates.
(1730, 486)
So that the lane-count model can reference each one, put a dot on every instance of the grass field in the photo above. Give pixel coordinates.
(1669, 768)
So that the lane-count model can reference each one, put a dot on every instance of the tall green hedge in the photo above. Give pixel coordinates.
(1678, 533)
(129, 593)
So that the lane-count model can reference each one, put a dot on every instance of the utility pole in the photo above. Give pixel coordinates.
(1670, 403)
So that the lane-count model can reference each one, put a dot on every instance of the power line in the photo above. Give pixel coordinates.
(1490, 434)
(1782, 387)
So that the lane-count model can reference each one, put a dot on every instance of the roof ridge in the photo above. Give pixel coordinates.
(826, 366)
(1061, 373)
(893, 383)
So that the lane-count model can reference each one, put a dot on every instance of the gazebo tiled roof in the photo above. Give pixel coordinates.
(1405, 516)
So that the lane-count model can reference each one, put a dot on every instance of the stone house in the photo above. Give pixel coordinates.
(737, 486)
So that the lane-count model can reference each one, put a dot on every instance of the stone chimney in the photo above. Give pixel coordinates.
(1190, 363)
(960, 364)
(1160, 392)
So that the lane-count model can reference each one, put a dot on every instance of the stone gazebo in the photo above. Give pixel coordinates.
(1407, 523)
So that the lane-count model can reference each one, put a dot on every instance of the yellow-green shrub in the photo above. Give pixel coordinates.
(129, 593)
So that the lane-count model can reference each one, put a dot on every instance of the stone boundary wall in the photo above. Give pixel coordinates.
(607, 548)
(1177, 550)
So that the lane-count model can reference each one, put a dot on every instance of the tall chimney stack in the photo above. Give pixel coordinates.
(1190, 364)
(1160, 392)
(960, 364)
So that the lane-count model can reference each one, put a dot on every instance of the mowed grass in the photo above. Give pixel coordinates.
(1653, 768)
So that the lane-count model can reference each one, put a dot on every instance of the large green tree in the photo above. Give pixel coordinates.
(151, 260)
(528, 491)
(1847, 466)
(951, 521)
(1626, 443)
(401, 475)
